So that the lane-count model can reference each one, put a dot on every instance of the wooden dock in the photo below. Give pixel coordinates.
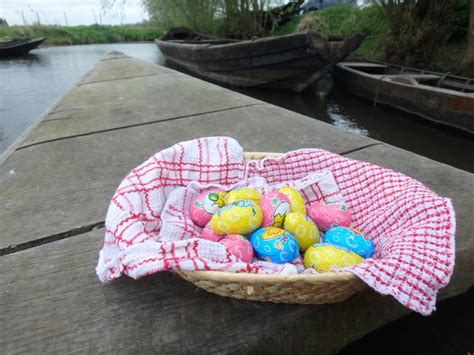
(56, 185)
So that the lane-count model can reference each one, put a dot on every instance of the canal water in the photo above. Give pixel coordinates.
(30, 85)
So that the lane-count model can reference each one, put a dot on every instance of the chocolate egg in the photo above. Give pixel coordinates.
(297, 203)
(328, 215)
(351, 239)
(209, 234)
(241, 217)
(322, 257)
(205, 205)
(303, 229)
(244, 193)
(239, 246)
(274, 244)
(275, 206)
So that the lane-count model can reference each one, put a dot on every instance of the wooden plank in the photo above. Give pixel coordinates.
(363, 65)
(52, 302)
(53, 187)
(116, 66)
(413, 76)
(113, 104)
(457, 85)
(447, 107)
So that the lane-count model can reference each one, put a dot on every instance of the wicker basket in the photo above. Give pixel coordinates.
(301, 288)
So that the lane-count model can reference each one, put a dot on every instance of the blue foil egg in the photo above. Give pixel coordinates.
(274, 244)
(350, 239)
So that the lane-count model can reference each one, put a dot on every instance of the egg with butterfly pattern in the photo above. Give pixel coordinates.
(241, 217)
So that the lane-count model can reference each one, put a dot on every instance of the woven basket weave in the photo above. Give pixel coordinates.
(301, 288)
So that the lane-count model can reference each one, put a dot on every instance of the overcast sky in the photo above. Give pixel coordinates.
(78, 12)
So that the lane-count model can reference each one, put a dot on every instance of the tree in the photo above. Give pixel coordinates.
(417, 29)
(468, 62)
(235, 18)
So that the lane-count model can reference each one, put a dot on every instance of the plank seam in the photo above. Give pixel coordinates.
(51, 238)
(124, 78)
(360, 148)
(138, 125)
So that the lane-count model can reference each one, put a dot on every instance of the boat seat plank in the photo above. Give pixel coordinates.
(364, 65)
(457, 85)
(413, 76)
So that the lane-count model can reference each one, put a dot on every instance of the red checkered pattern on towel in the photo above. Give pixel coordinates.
(412, 228)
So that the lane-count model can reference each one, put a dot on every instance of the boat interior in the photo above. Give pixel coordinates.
(414, 76)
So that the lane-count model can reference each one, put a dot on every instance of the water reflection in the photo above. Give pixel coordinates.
(330, 104)
(29, 85)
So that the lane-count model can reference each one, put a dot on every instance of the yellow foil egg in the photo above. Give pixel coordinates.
(296, 200)
(241, 217)
(323, 257)
(245, 193)
(303, 229)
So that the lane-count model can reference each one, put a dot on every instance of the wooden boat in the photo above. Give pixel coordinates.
(290, 62)
(442, 98)
(19, 47)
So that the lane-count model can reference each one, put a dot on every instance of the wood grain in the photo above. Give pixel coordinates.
(52, 302)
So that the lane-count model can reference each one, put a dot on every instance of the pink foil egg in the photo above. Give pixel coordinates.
(205, 205)
(209, 234)
(275, 206)
(238, 246)
(326, 216)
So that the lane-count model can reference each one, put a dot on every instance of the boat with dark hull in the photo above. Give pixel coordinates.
(290, 62)
(441, 98)
(18, 47)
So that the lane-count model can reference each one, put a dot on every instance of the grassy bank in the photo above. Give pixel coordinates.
(373, 22)
(58, 35)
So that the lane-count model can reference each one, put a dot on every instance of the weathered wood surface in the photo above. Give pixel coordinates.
(18, 48)
(440, 105)
(52, 302)
(67, 169)
(50, 298)
(111, 69)
(280, 62)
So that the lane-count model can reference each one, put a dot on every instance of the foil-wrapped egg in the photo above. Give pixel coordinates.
(205, 205)
(302, 228)
(322, 257)
(241, 217)
(274, 244)
(209, 234)
(297, 203)
(351, 239)
(275, 206)
(329, 215)
(239, 246)
(244, 193)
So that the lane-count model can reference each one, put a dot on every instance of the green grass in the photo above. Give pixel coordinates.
(372, 22)
(58, 35)
(344, 21)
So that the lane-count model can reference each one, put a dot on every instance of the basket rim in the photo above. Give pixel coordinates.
(239, 277)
